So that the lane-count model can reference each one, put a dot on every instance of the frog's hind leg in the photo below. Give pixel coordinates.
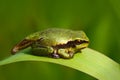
(42, 51)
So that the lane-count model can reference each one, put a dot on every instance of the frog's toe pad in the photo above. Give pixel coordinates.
(55, 55)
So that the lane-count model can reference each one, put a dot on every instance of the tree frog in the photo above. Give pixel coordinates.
(54, 42)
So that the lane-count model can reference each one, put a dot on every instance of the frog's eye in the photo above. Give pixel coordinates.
(23, 44)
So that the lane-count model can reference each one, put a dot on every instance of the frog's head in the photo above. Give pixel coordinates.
(28, 41)
(80, 35)
(81, 39)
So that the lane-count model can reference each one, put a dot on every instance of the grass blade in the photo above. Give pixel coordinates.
(89, 61)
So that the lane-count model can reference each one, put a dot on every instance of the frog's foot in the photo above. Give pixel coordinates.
(65, 53)
(54, 55)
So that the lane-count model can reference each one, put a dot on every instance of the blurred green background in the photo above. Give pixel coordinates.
(100, 19)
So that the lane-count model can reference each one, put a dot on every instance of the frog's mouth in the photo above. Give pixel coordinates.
(72, 44)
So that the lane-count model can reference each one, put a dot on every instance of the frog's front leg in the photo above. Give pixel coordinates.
(42, 51)
(65, 53)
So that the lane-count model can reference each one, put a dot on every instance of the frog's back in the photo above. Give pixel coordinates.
(55, 36)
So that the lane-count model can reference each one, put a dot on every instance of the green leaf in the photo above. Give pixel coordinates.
(89, 61)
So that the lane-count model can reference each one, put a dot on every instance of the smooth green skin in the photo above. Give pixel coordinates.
(44, 42)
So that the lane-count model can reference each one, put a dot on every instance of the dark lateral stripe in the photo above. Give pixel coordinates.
(24, 42)
(70, 44)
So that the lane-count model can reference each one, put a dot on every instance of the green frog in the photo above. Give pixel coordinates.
(54, 42)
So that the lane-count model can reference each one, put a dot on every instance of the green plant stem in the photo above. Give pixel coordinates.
(89, 61)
